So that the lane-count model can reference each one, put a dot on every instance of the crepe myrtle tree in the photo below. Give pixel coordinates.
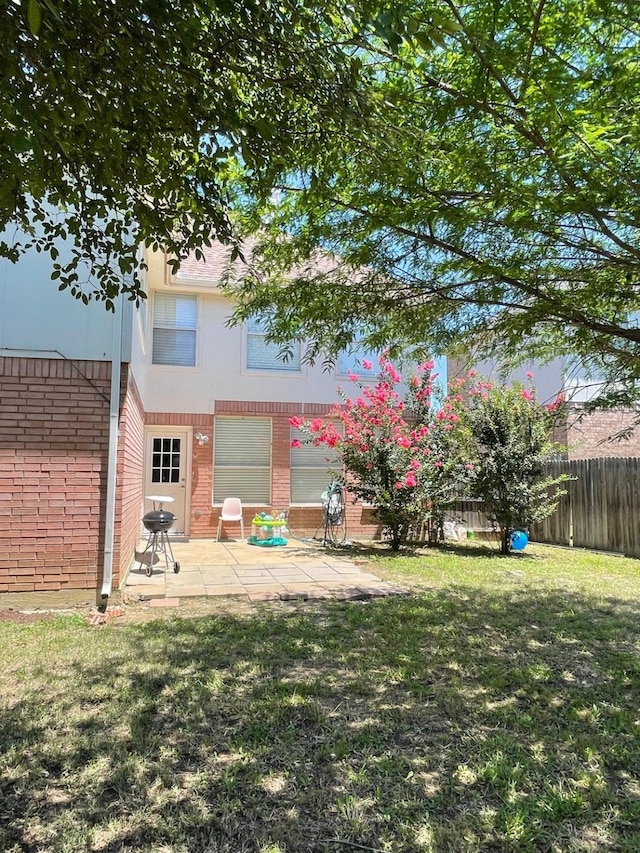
(398, 453)
(447, 445)
(511, 433)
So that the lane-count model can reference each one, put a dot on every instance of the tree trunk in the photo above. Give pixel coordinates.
(504, 541)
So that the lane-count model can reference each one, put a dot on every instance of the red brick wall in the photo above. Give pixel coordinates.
(129, 476)
(54, 432)
(589, 435)
(304, 520)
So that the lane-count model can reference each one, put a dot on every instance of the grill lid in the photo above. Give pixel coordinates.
(158, 519)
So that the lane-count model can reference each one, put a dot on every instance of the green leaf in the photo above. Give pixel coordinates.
(424, 40)
(34, 16)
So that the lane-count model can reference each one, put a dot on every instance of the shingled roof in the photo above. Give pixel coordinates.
(215, 264)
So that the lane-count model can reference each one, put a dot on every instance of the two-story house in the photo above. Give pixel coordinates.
(98, 411)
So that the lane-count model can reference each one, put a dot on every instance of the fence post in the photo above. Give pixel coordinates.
(570, 524)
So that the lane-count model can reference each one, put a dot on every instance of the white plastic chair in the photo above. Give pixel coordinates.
(231, 511)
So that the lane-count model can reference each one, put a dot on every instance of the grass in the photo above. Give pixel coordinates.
(496, 709)
(481, 565)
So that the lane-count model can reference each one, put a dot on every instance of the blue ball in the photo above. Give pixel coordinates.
(519, 540)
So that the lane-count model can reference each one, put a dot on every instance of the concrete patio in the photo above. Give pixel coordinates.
(300, 569)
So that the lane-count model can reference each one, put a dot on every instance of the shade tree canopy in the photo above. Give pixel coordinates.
(494, 201)
(476, 163)
(122, 122)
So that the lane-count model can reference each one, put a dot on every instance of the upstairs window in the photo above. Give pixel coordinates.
(263, 355)
(174, 329)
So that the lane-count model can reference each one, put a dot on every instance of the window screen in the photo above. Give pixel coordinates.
(350, 361)
(312, 469)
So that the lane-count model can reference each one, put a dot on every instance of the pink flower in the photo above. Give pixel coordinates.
(556, 403)
(437, 464)
(410, 480)
(296, 422)
(528, 395)
(529, 374)
(403, 441)
(296, 443)
(368, 365)
(316, 425)
(398, 485)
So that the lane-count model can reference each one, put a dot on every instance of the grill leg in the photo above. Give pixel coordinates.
(151, 548)
(158, 543)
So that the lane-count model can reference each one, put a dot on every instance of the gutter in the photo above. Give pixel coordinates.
(112, 455)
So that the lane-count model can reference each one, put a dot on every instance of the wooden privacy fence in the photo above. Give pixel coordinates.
(601, 509)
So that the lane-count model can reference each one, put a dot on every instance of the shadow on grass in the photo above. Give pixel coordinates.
(448, 721)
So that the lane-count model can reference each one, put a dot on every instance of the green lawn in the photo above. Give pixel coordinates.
(495, 709)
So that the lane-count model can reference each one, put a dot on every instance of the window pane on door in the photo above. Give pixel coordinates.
(165, 466)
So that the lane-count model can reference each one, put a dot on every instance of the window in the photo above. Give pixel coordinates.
(165, 460)
(312, 469)
(174, 329)
(262, 355)
(242, 460)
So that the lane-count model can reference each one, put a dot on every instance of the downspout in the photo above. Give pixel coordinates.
(112, 454)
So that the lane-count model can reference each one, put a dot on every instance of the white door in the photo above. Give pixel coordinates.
(166, 472)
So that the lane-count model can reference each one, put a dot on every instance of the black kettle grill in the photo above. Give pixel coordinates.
(158, 522)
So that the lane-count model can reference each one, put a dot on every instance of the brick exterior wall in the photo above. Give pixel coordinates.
(590, 435)
(130, 474)
(54, 435)
(303, 520)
